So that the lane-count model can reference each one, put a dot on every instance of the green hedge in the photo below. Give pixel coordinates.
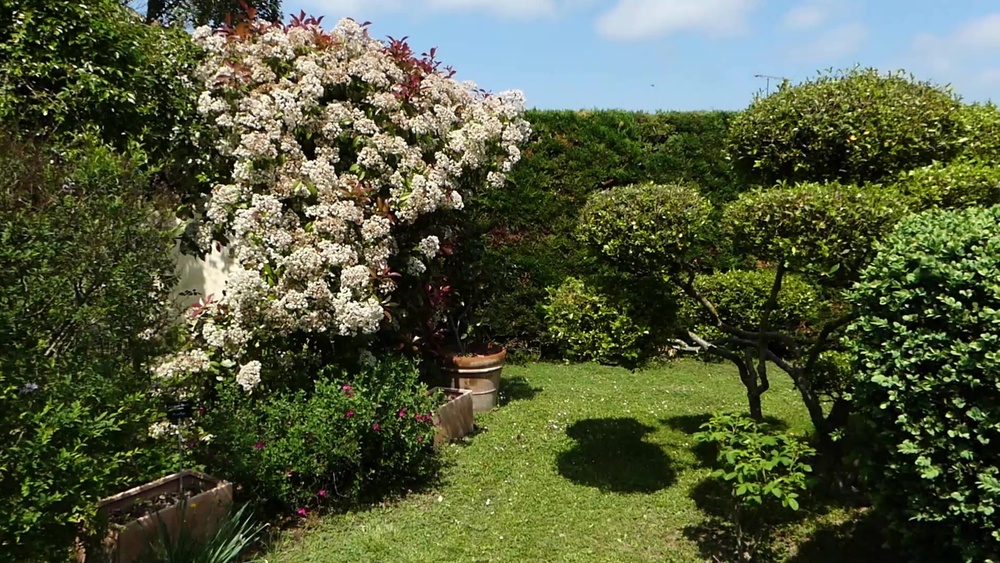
(530, 223)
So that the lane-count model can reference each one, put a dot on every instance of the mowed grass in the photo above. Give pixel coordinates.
(581, 463)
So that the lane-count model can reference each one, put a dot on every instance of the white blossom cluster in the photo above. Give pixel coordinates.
(336, 142)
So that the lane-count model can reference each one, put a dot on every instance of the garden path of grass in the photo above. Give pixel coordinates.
(582, 463)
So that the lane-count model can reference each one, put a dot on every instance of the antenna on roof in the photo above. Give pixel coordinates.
(769, 78)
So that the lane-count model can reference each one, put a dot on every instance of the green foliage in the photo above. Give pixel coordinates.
(645, 228)
(209, 12)
(739, 297)
(765, 471)
(982, 132)
(954, 185)
(925, 347)
(585, 325)
(346, 438)
(531, 222)
(826, 231)
(86, 271)
(235, 534)
(66, 66)
(855, 126)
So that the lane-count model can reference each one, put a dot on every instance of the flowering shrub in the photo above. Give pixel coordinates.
(349, 437)
(348, 159)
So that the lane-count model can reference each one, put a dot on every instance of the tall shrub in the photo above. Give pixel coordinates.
(855, 126)
(347, 158)
(83, 287)
(68, 65)
(925, 350)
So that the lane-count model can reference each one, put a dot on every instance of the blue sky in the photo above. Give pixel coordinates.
(684, 54)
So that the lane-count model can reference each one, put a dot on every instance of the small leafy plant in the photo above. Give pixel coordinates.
(765, 471)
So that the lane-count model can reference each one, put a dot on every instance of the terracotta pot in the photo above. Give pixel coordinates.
(454, 419)
(202, 514)
(478, 373)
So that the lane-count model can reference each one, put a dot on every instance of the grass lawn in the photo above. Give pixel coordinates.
(582, 463)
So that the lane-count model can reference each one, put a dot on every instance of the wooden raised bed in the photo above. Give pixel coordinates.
(454, 419)
(138, 515)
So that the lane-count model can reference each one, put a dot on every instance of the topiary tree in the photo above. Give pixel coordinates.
(981, 122)
(854, 126)
(822, 232)
(957, 184)
(925, 350)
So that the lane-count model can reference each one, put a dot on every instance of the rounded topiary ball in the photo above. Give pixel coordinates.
(856, 126)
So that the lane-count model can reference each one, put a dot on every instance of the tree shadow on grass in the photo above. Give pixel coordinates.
(611, 455)
(517, 388)
(858, 539)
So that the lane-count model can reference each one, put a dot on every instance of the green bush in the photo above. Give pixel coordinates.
(584, 325)
(645, 228)
(856, 126)
(766, 472)
(85, 273)
(925, 348)
(68, 65)
(739, 297)
(953, 185)
(531, 222)
(348, 437)
(982, 132)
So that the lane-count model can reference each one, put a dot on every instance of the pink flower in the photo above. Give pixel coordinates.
(289, 473)
(420, 438)
(321, 493)
(348, 391)
(302, 512)
(402, 413)
(258, 446)
(376, 427)
(349, 414)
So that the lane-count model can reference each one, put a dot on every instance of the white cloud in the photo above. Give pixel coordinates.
(806, 16)
(835, 44)
(983, 33)
(644, 19)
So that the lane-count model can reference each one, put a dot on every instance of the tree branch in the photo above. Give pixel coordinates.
(765, 321)
(687, 286)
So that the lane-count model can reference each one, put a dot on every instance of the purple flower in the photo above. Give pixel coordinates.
(376, 427)
(349, 414)
(321, 493)
(302, 512)
(402, 413)
(258, 446)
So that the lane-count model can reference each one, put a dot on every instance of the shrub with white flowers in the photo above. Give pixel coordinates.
(343, 153)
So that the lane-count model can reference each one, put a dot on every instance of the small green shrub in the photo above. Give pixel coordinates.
(645, 228)
(953, 185)
(766, 472)
(739, 297)
(856, 127)
(925, 348)
(86, 271)
(584, 325)
(348, 437)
